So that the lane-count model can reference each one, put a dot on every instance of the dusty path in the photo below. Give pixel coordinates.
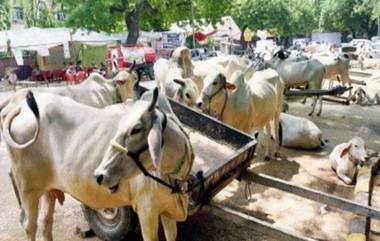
(339, 123)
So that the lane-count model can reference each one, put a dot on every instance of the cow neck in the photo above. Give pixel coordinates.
(219, 115)
(177, 187)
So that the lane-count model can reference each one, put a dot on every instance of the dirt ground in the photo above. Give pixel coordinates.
(307, 168)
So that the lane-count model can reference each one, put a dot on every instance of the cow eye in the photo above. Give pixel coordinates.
(187, 95)
(136, 130)
(356, 146)
(213, 83)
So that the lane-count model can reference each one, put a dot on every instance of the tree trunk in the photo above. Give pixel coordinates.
(132, 20)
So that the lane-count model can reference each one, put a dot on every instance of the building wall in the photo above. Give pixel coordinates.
(9, 62)
(21, 24)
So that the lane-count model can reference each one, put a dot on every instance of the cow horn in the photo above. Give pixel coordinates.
(8, 121)
(133, 66)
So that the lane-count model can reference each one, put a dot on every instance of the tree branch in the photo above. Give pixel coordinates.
(114, 9)
(118, 9)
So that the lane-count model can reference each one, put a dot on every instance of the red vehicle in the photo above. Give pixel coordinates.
(123, 56)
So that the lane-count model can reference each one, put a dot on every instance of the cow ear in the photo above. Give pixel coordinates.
(180, 82)
(152, 105)
(230, 86)
(155, 142)
(345, 150)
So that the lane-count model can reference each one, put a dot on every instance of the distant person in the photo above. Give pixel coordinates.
(79, 66)
(36, 72)
(64, 67)
(71, 70)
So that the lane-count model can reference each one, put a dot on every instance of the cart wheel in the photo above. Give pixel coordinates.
(111, 223)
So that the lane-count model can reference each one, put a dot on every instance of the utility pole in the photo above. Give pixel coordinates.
(192, 21)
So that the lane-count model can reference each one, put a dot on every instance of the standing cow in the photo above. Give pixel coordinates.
(51, 152)
(296, 74)
(245, 104)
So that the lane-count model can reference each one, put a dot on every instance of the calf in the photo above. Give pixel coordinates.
(346, 158)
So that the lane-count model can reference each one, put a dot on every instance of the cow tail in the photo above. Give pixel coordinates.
(31, 101)
(32, 104)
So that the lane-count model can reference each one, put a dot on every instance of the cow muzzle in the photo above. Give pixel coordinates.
(101, 180)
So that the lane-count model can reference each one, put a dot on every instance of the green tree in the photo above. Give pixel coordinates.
(133, 15)
(350, 16)
(282, 17)
(4, 15)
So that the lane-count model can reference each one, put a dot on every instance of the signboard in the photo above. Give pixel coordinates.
(248, 35)
(171, 40)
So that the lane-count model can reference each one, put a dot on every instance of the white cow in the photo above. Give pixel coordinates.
(298, 132)
(337, 68)
(224, 64)
(56, 144)
(245, 104)
(346, 158)
(296, 74)
(95, 91)
(173, 84)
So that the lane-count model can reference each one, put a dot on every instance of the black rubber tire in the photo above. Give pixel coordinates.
(117, 229)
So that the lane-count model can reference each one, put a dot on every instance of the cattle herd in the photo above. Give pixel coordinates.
(93, 140)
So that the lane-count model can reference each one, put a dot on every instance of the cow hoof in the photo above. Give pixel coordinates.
(318, 114)
(277, 155)
(267, 158)
(310, 114)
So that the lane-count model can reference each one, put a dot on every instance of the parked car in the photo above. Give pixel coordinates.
(354, 47)
(375, 50)
(199, 54)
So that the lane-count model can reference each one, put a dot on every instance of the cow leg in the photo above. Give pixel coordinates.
(277, 135)
(148, 225)
(170, 228)
(350, 91)
(29, 214)
(331, 84)
(268, 144)
(313, 105)
(304, 100)
(320, 106)
(48, 204)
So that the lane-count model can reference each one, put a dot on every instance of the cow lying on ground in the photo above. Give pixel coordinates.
(298, 132)
(361, 97)
(297, 74)
(346, 158)
(95, 91)
(245, 104)
(48, 140)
